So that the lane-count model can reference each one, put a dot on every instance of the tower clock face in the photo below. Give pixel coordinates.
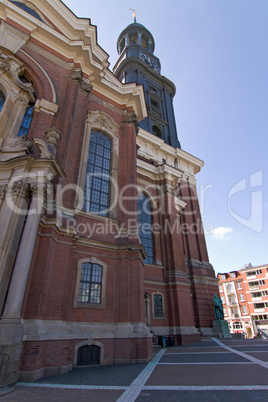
(144, 58)
(148, 60)
(154, 66)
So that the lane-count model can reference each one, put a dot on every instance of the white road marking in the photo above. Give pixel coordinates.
(182, 364)
(206, 387)
(242, 354)
(137, 385)
(70, 386)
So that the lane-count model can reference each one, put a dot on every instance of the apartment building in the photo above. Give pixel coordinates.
(244, 295)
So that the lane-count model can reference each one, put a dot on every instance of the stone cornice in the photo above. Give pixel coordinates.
(29, 164)
(154, 147)
(163, 172)
(74, 41)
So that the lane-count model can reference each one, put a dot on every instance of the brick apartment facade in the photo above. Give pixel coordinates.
(79, 283)
(244, 295)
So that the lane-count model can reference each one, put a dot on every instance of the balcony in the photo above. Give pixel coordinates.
(234, 315)
(251, 277)
(230, 291)
(254, 287)
(259, 310)
(232, 303)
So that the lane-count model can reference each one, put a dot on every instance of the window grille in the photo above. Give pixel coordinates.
(90, 283)
(158, 306)
(145, 227)
(2, 100)
(97, 181)
(26, 121)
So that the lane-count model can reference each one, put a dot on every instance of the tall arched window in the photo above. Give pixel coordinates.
(2, 100)
(26, 121)
(156, 131)
(229, 288)
(97, 181)
(158, 305)
(145, 227)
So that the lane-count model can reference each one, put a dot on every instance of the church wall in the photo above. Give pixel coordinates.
(76, 94)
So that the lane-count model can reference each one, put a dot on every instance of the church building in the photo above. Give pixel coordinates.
(102, 250)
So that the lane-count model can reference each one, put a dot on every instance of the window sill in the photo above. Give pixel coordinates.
(100, 306)
(96, 216)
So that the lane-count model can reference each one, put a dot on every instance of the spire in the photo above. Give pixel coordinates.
(134, 15)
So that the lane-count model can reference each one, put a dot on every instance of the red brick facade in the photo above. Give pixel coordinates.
(47, 321)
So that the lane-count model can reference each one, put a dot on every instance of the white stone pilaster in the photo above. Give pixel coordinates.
(22, 265)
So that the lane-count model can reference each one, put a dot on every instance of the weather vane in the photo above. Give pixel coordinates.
(134, 14)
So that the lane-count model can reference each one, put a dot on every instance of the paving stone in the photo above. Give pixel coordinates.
(205, 371)
(209, 374)
(121, 374)
(203, 396)
(203, 358)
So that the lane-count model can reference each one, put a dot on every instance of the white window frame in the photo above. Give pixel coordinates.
(102, 304)
(243, 310)
(163, 305)
(242, 297)
(100, 121)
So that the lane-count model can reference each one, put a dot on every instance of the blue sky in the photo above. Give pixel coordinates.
(215, 52)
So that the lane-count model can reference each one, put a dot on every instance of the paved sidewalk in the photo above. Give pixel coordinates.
(210, 370)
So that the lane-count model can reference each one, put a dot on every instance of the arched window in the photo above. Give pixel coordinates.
(156, 131)
(2, 100)
(26, 121)
(158, 305)
(97, 181)
(87, 355)
(145, 227)
(229, 288)
(90, 283)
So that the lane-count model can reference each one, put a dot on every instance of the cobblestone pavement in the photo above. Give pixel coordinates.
(210, 370)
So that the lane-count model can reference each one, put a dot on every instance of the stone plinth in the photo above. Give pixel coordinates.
(221, 328)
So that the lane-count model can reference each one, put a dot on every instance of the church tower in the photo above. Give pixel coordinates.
(179, 281)
(137, 63)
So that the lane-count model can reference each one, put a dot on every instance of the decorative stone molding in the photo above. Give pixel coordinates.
(84, 83)
(76, 74)
(20, 100)
(132, 119)
(169, 189)
(12, 38)
(46, 106)
(103, 121)
(15, 68)
(53, 136)
(18, 188)
(179, 204)
(3, 190)
(44, 149)
(38, 190)
(5, 62)
(18, 144)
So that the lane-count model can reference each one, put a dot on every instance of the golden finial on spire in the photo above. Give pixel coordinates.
(134, 14)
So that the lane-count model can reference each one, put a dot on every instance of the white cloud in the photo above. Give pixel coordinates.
(221, 232)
